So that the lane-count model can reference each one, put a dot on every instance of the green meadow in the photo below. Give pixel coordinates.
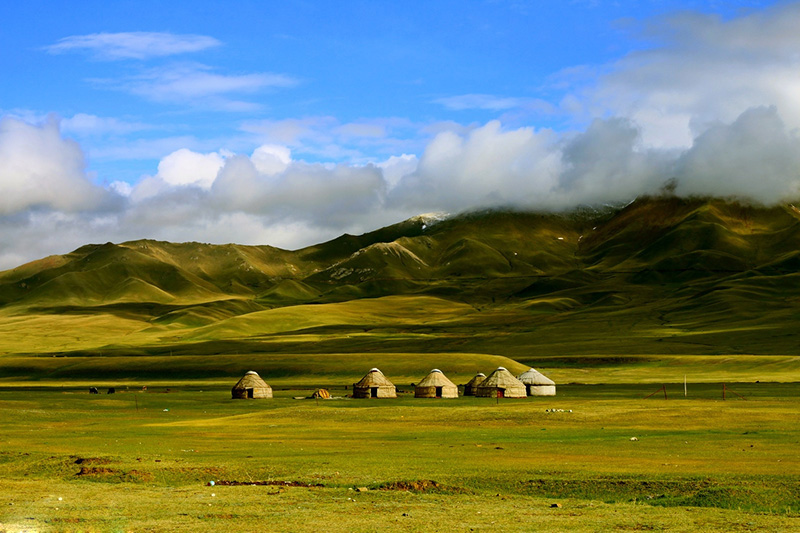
(142, 460)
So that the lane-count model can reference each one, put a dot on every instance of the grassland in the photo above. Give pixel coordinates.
(142, 461)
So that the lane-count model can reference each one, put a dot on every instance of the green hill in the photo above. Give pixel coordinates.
(661, 275)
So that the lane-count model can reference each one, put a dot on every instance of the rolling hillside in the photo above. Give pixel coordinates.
(659, 276)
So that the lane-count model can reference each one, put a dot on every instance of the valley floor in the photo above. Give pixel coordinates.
(142, 460)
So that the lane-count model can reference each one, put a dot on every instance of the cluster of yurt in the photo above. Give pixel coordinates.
(499, 384)
(502, 384)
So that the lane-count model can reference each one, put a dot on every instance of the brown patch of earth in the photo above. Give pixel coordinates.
(228, 483)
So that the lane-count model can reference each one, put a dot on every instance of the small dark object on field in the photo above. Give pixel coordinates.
(555, 505)
(111, 390)
(93, 390)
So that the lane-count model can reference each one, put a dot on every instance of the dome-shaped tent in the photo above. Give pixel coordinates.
(469, 388)
(537, 384)
(436, 385)
(501, 383)
(251, 386)
(374, 385)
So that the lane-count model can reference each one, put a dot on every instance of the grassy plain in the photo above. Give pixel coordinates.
(138, 461)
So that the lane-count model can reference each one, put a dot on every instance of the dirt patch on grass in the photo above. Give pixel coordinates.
(97, 471)
(92, 461)
(420, 485)
(111, 474)
(229, 483)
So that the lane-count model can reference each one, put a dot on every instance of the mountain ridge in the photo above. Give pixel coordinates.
(662, 261)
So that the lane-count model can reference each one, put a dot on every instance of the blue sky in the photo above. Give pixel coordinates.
(286, 123)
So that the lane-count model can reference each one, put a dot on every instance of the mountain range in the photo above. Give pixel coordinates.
(659, 275)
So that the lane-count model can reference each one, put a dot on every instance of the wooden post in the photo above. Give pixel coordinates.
(665, 391)
(723, 391)
(684, 386)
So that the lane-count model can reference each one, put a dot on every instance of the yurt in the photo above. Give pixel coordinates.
(501, 383)
(469, 388)
(251, 386)
(537, 384)
(374, 385)
(436, 385)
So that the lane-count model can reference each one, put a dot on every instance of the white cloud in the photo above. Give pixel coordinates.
(703, 69)
(197, 84)
(327, 137)
(753, 157)
(494, 103)
(133, 45)
(184, 167)
(396, 167)
(271, 198)
(85, 124)
(38, 167)
(311, 192)
(485, 167)
(271, 159)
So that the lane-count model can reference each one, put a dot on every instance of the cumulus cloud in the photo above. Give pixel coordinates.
(701, 69)
(485, 167)
(270, 197)
(753, 157)
(271, 159)
(184, 167)
(39, 168)
(133, 45)
(303, 191)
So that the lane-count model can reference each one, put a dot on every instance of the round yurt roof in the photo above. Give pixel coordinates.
(374, 378)
(435, 378)
(534, 377)
(500, 378)
(251, 380)
(479, 377)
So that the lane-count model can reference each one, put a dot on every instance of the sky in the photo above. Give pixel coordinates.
(289, 123)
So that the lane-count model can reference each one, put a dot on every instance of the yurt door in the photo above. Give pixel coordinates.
(249, 393)
(438, 392)
(373, 392)
(501, 393)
